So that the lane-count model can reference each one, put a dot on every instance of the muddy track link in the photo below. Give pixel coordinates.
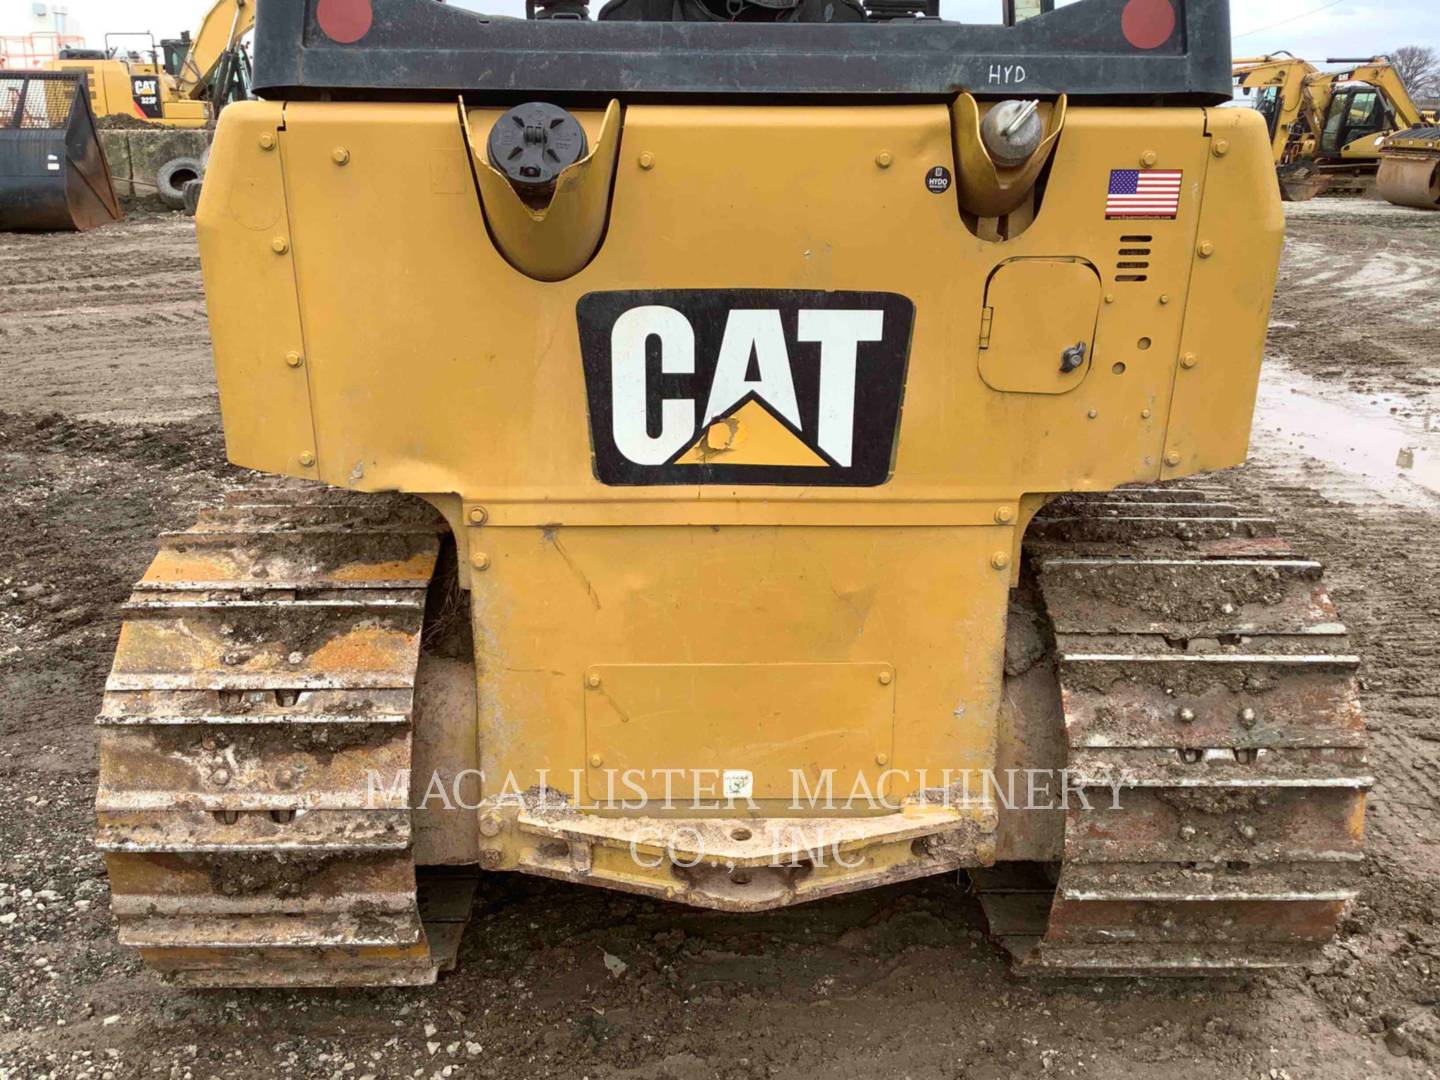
(1203, 670)
(263, 681)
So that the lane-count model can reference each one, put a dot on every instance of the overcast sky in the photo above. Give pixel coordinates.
(1313, 29)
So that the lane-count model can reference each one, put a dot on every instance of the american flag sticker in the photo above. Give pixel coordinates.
(1153, 193)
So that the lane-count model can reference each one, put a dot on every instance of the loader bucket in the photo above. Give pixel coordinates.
(53, 174)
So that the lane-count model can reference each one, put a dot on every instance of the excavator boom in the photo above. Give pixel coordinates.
(220, 32)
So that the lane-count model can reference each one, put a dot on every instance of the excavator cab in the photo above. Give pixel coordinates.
(1356, 112)
(53, 174)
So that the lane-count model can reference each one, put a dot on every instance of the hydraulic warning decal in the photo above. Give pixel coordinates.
(744, 386)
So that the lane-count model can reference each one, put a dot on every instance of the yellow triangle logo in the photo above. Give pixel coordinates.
(751, 435)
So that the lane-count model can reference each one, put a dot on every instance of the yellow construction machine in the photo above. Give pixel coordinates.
(1327, 127)
(736, 485)
(182, 82)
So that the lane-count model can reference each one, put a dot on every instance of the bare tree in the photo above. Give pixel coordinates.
(1419, 66)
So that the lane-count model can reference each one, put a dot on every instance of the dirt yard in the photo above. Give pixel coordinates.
(109, 433)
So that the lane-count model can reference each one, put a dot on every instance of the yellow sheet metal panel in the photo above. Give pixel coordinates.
(1036, 310)
(1236, 259)
(554, 606)
(735, 730)
(260, 359)
(483, 362)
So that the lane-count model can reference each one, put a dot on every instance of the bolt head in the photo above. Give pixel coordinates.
(340, 156)
(221, 776)
(1000, 560)
(294, 359)
(1206, 249)
(882, 759)
(280, 245)
(1004, 515)
(1189, 360)
(884, 159)
(1164, 298)
(480, 561)
(267, 141)
(1172, 458)
(647, 160)
(1221, 147)
(478, 515)
(592, 681)
(886, 678)
(1149, 158)
(1145, 414)
(1248, 717)
(307, 459)
(1093, 413)
(489, 825)
(596, 761)
(1187, 716)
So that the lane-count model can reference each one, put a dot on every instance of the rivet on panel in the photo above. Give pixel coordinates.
(1109, 298)
(480, 561)
(884, 159)
(1164, 298)
(647, 160)
(1149, 158)
(1005, 514)
(596, 761)
(294, 359)
(1145, 414)
(1189, 360)
(882, 759)
(1172, 457)
(592, 681)
(1206, 249)
(307, 459)
(1093, 413)
(886, 678)
(1221, 147)
(340, 156)
(1000, 560)
(478, 515)
(267, 141)
(280, 245)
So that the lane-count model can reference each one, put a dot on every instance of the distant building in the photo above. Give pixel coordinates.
(33, 31)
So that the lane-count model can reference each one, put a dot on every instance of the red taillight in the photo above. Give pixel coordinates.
(1148, 24)
(345, 21)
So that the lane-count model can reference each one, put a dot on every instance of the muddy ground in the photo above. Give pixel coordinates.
(109, 433)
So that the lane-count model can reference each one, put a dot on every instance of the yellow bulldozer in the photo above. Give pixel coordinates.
(736, 485)
(181, 82)
(1327, 128)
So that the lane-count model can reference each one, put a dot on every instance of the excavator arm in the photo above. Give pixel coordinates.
(1383, 76)
(1287, 75)
(219, 33)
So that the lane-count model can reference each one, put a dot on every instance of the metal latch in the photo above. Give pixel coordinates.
(1072, 358)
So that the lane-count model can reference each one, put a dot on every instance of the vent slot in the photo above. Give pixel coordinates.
(1134, 255)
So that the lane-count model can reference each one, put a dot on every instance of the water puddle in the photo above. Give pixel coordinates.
(1381, 448)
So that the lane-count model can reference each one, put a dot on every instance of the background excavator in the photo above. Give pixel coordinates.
(1327, 127)
(53, 172)
(186, 81)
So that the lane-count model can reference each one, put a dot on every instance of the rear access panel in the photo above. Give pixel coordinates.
(1038, 329)
(735, 730)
